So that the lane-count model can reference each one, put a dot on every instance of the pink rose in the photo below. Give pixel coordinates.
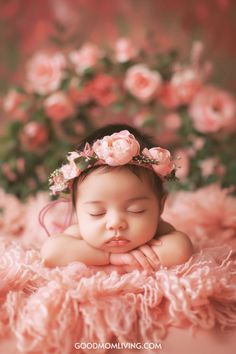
(8, 173)
(165, 166)
(45, 72)
(172, 121)
(167, 96)
(208, 166)
(117, 149)
(69, 170)
(103, 90)
(213, 110)
(85, 58)
(181, 89)
(58, 106)
(198, 143)
(58, 182)
(80, 95)
(12, 104)
(34, 135)
(20, 165)
(124, 50)
(142, 82)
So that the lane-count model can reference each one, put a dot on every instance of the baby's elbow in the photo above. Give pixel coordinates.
(48, 253)
(177, 249)
(184, 249)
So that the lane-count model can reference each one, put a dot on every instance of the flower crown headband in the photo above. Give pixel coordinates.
(114, 150)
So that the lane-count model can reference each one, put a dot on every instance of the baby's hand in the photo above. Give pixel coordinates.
(143, 258)
(146, 256)
(119, 259)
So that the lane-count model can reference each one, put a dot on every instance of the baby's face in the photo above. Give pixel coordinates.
(116, 203)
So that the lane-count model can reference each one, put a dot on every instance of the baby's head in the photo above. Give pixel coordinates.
(120, 196)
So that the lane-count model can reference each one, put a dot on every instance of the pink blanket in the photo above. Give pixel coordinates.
(49, 310)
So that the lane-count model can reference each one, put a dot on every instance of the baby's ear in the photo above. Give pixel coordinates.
(162, 203)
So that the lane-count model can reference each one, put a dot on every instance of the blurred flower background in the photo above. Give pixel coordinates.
(68, 67)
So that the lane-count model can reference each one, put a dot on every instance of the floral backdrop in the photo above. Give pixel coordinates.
(69, 78)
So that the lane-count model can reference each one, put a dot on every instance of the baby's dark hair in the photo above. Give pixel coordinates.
(145, 141)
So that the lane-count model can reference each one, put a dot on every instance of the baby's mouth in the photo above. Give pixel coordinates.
(117, 241)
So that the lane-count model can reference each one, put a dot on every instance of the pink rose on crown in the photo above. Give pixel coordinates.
(117, 149)
(57, 181)
(69, 170)
(165, 165)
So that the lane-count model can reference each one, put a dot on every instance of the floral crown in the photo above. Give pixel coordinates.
(114, 150)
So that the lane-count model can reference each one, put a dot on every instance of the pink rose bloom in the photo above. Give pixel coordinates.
(167, 96)
(124, 50)
(103, 90)
(172, 121)
(142, 82)
(45, 72)
(79, 95)
(58, 106)
(208, 166)
(165, 165)
(34, 135)
(181, 89)
(59, 183)
(117, 149)
(69, 170)
(213, 110)
(198, 143)
(182, 163)
(8, 173)
(12, 104)
(85, 58)
(20, 164)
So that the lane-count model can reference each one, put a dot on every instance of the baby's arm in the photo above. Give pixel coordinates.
(70, 247)
(170, 247)
(173, 248)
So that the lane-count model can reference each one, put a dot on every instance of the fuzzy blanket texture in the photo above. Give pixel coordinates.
(48, 310)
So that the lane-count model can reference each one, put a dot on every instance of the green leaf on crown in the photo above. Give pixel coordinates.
(83, 162)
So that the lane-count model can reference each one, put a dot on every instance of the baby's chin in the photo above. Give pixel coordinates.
(120, 249)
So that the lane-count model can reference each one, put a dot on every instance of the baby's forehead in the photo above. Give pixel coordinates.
(117, 183)
(113, 174)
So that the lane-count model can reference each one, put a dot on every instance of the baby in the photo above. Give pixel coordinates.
(115, 178)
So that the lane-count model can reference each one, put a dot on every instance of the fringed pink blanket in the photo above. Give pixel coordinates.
(49, 310)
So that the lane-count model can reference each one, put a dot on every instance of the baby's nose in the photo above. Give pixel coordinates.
(116, 222)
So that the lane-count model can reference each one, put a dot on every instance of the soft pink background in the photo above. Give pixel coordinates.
(28, 25)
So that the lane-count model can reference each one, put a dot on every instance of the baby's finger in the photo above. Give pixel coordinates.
(142, 260)
(155, 242)
(123, 259)
(150, 254)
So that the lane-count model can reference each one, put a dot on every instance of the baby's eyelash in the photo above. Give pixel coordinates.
(136, 212)
(129, 211)
(97, 214)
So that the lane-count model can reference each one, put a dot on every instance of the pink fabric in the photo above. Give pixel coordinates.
(48, 310)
